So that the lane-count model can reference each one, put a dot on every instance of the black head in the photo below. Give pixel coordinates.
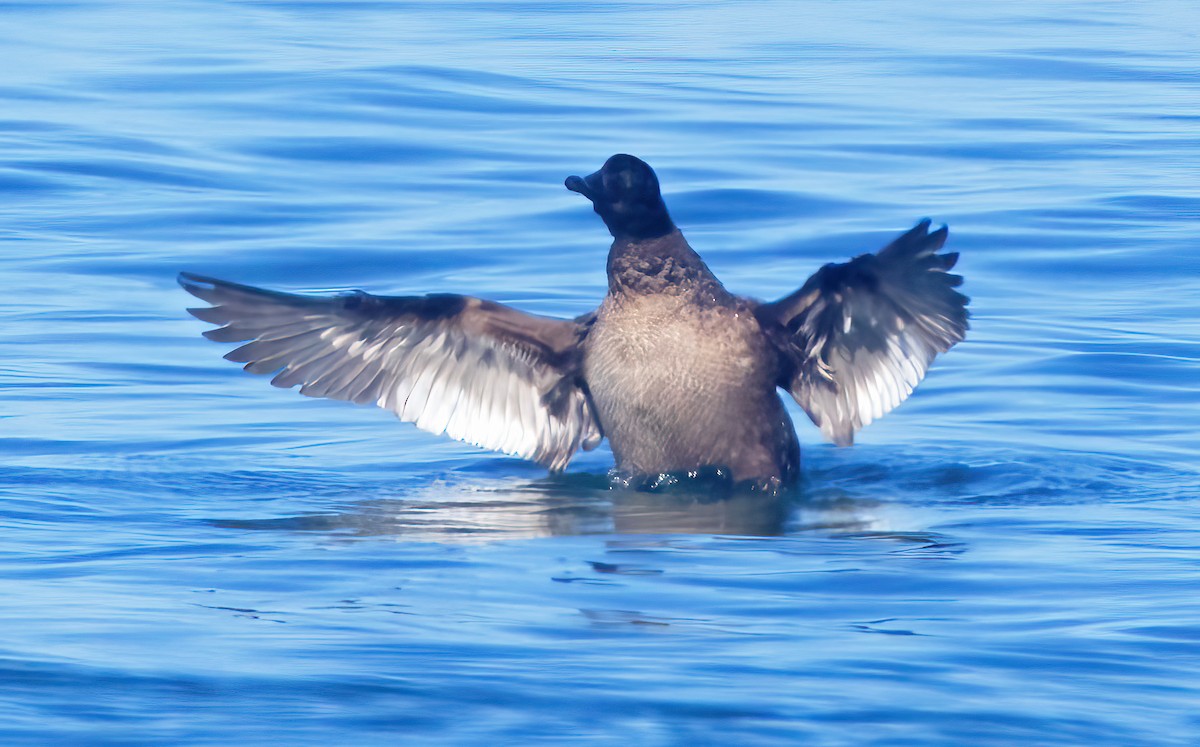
(625, 193)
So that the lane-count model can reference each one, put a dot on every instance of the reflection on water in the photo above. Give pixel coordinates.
(579, 504)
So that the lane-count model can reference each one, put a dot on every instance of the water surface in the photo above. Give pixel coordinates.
(189, 556)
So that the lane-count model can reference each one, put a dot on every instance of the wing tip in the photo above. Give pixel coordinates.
(200, 286)
(941, 234)
(210, 314)
(189, 280)
(929, 242)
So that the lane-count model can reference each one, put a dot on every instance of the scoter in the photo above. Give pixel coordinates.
(679, 374)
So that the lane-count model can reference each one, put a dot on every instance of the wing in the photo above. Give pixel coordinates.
(858, 336)
(477, 371)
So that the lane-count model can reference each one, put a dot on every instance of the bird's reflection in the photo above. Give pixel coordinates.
(758, 514)
(479, 509)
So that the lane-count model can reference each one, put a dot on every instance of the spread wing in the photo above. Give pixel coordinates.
(858, 336)
(478, 371)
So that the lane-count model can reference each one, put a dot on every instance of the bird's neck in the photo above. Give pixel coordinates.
(663, 265)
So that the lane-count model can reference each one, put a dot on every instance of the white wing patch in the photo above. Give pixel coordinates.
(441, 371)
(861, 335)
(868, 386)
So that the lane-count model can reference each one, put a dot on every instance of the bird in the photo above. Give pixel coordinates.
(679, 374)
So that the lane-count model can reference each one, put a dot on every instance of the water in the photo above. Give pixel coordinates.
(192, 557)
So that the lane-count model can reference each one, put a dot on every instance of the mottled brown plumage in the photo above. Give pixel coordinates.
(680, 371)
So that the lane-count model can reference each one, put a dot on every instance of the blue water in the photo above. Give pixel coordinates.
(189, 556)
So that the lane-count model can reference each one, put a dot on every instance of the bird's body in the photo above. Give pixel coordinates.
(679, 374)
(680, 371)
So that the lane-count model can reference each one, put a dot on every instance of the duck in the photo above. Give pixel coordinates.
(680, 375)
